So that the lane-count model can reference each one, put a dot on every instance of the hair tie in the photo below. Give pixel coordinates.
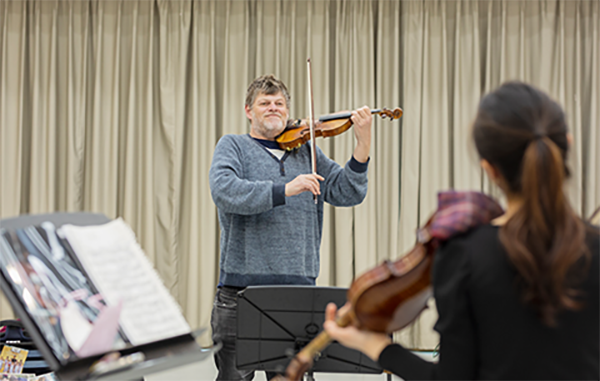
(538, 135)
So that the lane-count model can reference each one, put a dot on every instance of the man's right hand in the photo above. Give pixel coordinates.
(304, 183)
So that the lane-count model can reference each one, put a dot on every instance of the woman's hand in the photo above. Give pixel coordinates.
(369, 343)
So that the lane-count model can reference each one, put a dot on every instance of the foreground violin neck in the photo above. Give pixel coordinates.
(303, 361)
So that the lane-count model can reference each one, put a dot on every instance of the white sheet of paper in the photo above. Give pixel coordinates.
(120, 270)
(74, 326)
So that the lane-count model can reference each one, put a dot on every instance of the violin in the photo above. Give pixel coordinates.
(298, 132)
(393, 294)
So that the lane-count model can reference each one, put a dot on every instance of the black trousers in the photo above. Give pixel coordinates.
(223, 322)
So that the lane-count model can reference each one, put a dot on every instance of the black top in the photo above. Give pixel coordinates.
(486, 332)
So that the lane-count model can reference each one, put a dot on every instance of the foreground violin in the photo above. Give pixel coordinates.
(298, 132)
(393, 294)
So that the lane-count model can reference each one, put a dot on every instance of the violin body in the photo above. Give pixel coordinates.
(392, 295)
(295, 135)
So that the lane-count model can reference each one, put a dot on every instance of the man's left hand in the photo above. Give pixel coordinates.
(362, 120)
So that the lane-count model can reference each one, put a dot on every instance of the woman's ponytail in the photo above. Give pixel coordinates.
(523, 133)
(545, 239)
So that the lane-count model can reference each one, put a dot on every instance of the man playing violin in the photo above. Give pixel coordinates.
(270, 223)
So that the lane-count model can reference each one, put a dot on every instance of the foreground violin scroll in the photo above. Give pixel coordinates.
(298, 132)
(393, 294)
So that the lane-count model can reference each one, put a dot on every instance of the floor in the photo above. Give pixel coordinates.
(205, 370)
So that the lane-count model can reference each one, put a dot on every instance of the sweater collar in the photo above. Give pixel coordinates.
(270, 144)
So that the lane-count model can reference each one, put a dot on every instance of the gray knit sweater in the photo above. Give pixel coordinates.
(266, 237)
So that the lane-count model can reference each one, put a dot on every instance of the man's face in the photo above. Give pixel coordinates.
(268, 116)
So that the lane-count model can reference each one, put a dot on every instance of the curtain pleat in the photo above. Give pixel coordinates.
(590, 105)
(198, 229)
(385, 180)
(115, 107)
(465, 172)
(12, 102)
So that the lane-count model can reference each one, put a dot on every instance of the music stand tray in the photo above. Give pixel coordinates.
(158, 356)
(276, 322)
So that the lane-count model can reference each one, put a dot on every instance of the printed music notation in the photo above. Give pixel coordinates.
(121, 272)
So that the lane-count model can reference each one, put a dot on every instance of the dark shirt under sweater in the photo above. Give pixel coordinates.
(486, 332)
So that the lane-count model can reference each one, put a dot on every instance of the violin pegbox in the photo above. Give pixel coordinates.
(391, 114)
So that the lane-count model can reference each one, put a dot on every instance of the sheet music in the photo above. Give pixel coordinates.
(120, 270)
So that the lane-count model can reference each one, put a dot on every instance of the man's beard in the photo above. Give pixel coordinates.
(268, 127)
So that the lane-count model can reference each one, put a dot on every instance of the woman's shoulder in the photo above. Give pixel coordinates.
(480, 235)
(483, 243)
(462, 247)
(477, 248)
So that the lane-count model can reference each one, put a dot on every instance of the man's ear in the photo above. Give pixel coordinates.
(248, 112)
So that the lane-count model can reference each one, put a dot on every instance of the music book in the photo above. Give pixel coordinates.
(88, 289)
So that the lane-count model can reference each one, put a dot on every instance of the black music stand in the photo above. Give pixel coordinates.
(159, 356)
(275, 322)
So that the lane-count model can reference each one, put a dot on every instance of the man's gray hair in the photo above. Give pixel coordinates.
(266, 84)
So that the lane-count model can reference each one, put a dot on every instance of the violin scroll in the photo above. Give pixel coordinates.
(391, 114)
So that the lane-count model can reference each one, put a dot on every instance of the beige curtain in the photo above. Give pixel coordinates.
(115, 107)
(455, 51)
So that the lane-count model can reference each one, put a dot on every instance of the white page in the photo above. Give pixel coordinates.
(120, 270)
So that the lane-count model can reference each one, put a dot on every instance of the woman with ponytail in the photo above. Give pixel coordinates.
(518, 298)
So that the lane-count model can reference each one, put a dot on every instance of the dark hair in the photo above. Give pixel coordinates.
(266, 84)
(523, 134)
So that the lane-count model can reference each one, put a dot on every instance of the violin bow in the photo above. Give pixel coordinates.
(311, 108)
